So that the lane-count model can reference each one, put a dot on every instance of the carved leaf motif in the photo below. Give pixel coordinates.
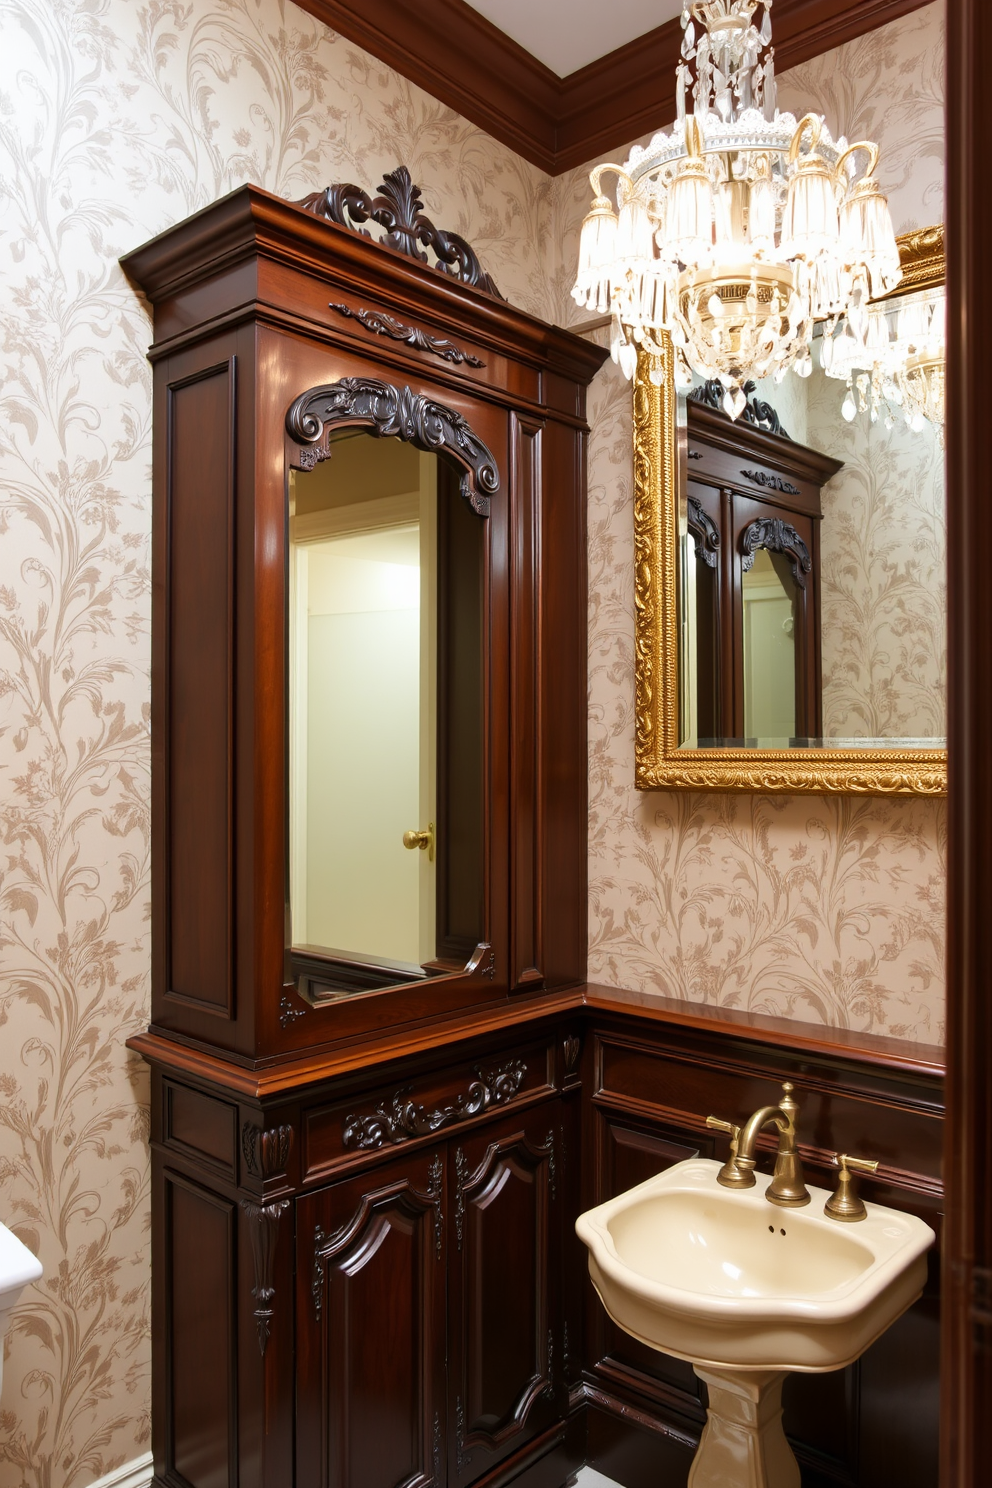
(403, 1119)
(778, 537)
(399, 209)
(381, 324)
(706, 529)
(399, 412)
(266, 1152)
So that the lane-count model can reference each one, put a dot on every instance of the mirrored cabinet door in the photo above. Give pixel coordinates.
(385, 717)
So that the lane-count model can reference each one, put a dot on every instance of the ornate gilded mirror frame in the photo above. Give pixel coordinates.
(660, 763)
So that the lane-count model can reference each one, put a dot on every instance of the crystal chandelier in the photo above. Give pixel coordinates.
(741, 228)
(898, 363)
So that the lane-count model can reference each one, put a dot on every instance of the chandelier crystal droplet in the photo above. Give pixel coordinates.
(740, 228)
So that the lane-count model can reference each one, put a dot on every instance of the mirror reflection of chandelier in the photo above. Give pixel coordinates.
(741, 228)
(898, 364)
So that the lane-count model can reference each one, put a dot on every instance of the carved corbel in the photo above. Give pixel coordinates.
(263, 1231)
(266, 1152)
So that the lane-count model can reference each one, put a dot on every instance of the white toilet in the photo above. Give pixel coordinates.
(18, 1267)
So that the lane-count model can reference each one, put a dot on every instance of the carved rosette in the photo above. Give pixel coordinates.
(402, 1118)
(396, 412)
(263, 1232)
(399, 209)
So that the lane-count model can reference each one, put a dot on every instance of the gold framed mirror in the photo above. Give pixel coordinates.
(858, 756)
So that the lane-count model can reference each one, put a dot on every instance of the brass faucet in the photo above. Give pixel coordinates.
(787, 1187)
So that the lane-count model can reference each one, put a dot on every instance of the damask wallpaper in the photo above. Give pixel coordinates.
(117, 118)
(815, 908)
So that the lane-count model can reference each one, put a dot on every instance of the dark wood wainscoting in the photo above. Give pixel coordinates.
(367, 1279)
(648, 1092)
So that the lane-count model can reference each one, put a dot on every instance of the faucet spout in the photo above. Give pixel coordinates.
(787, 1186)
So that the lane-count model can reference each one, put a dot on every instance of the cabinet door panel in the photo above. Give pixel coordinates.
(629, 1154)
(505, 1336)
(371, 1329)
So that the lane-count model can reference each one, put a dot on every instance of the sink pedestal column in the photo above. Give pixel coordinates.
(743, 1444)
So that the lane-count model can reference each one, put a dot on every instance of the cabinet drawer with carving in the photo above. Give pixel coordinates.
(425, 1106)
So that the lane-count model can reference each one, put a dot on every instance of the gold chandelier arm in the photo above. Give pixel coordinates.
(596, 175)
(873, 154)
(814, 124)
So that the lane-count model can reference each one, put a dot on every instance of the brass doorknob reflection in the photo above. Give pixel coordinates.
(424, 840)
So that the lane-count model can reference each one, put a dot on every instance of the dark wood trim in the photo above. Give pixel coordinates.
(560, 123)
(967, 1336)
(270, 1079)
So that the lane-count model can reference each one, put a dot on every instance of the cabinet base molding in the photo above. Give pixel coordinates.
(134, 1474)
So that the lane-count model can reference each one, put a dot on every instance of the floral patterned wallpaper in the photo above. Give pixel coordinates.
(117, 118)
(825, 910)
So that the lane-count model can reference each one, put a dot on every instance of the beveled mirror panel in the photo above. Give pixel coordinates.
(386, 698)
(790, 571)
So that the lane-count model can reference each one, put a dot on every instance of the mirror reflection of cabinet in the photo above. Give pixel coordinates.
(750, 560)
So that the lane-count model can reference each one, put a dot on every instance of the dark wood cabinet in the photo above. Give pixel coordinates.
(506, 1337)
(751, 496)
(365, 1273)
(370, 1352)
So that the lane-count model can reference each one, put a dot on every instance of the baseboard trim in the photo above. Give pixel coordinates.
(134, 1474)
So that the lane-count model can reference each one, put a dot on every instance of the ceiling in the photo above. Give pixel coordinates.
(564, 82)
(568, 34)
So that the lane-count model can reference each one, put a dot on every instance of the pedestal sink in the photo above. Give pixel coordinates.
(746, 1292)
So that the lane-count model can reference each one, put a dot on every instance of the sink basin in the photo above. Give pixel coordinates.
(723, 1278)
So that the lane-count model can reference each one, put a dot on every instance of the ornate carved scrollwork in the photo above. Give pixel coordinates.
(436, 1455)
(403, 1118)
(756, 411)
(461, 1452)
(435, 1174)
(706, 530)
(778, 537)
(381, 324)
(461, 1175)
(263, 1232)
(399, 209)
(549, 1388)
(771, 482)
(552, 1167)
(266, 1153)
(397, 412)
(320, 1239)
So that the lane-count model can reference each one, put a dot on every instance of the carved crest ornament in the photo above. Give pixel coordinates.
(399, 208)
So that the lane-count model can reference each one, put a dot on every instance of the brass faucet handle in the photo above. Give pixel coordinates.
(846, 1204)
(730, 1175)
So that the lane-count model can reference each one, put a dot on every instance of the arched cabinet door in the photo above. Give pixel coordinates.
(505, 1350)
(370, 1329)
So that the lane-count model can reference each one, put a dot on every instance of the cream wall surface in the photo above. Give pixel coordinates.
(118, 118)
(825, 910)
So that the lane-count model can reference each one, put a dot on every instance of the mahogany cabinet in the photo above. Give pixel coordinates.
(751, 491)
(365, 1176)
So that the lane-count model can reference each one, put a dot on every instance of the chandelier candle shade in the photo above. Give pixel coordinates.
(740, 229)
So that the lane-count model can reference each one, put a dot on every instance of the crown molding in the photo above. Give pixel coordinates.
(557, 123)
